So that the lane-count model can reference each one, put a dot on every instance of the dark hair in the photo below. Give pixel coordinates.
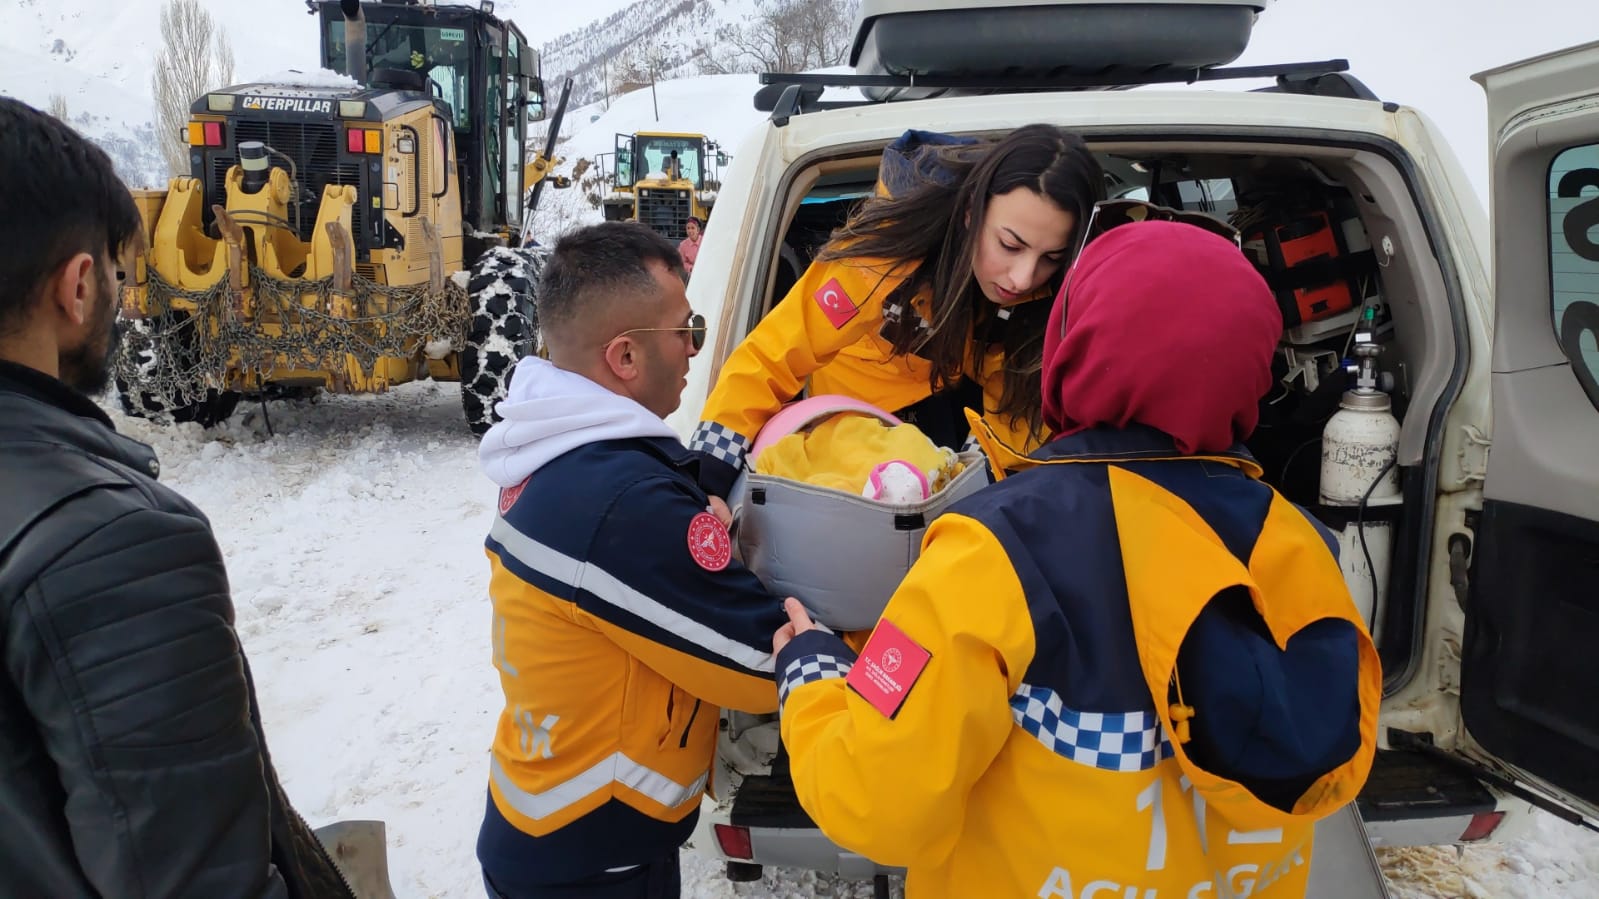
(594, 264)
(59, 196)
(929, 224)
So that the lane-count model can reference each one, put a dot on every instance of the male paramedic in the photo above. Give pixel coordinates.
(621, 621)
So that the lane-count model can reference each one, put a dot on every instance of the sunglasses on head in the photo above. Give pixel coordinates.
(1109, 214)
(695, 329)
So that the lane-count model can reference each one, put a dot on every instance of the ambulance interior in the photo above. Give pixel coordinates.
(1366, 308)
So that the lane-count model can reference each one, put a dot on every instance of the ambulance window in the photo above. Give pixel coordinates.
(1208, 195)
(1574, 260)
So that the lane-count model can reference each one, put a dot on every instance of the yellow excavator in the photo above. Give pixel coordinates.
(352, 229)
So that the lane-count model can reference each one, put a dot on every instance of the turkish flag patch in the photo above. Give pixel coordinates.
(708, 542)
(509, 496)
(835, 303)
(888, 667)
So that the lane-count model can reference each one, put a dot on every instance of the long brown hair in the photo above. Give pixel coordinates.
(939, 222)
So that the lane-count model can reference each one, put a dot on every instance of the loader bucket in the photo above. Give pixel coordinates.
(360, 849)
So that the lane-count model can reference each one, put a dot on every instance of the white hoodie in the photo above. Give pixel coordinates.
(550, 411)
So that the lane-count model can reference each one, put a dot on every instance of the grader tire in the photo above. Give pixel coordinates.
(144, 397)
(501, 330)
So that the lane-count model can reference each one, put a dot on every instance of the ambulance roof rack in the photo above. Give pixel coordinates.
(788, 94)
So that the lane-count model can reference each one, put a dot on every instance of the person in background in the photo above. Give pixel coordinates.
(132, 757)
(689, 247)
(1132, 663)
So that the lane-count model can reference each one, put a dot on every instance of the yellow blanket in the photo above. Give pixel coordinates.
(843, 452)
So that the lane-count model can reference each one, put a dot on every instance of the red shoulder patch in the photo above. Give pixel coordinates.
(835, 303)
(888, 667)
(509, 496)
(708, 542)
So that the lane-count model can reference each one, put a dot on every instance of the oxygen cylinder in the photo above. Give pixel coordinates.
(1359, 449)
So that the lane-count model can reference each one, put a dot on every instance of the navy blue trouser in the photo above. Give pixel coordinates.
(660, 879)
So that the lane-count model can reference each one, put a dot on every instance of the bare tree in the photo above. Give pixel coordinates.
(195, 57)
(789, 36)
(224, 51)
(825, 29)
(630, 69)
(760, 46)
(58, 106)
(639, 64)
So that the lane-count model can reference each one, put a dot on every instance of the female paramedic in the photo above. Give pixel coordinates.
(925, 301)
(1130, 669)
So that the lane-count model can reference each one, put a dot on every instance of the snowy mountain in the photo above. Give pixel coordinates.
(672, 33)
(97, 55)
(678, 38)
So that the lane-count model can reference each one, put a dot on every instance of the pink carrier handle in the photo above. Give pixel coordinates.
(795, 416)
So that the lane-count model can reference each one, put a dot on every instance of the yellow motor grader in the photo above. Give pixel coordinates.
(348, 230)
(663, 179)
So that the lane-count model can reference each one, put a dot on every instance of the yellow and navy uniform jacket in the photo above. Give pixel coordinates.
(1081, 688)
(617, 639)
(826, 336)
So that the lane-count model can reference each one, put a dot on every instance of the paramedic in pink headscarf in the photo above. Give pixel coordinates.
(1131, 619)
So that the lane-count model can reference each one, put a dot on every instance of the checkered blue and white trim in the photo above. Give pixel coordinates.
(971, 445)
(720, 441)
(1112, 741)
(807, 669)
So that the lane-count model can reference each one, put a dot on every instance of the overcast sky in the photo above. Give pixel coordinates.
(1422, 53)
(1417, 52)
(557, 17)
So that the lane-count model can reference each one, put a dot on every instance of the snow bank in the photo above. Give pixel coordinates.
(354, 541)
(313, 78)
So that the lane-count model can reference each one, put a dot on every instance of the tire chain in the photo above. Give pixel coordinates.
(503, 326)
(178, 357)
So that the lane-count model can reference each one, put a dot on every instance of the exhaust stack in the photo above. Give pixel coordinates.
(354, 40)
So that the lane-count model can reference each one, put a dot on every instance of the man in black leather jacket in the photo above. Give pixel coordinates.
(132, 761)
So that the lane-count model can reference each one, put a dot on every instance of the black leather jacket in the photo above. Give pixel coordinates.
(132, 761)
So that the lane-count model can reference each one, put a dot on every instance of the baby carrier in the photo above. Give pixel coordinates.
(833, 526)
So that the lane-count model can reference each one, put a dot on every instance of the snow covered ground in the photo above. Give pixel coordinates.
(354, 545)
(354, 536)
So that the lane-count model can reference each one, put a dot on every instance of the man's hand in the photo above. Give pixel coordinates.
(718, 507)
(799, 621)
